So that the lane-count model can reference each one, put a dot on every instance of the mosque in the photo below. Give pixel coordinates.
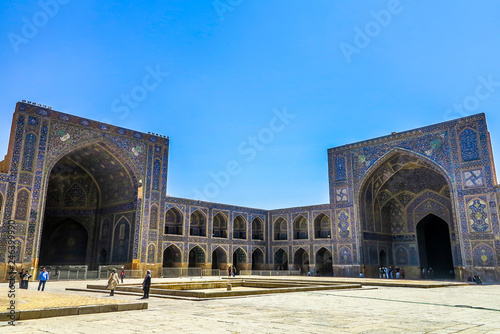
(74, 191)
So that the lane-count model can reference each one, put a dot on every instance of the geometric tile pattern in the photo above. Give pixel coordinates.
(341, 195)
(478, 215)
(473, 178)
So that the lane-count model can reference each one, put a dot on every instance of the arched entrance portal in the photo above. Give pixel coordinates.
(196, 257)
(301, 261)
(257, 260)
(89, 204)
(219, 259)
(324, 262)
(68, 244)
(172, 257)
(434, 247)
(395, 194)
(239, 260)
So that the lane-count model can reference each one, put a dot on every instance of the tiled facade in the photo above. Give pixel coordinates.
(65, 176)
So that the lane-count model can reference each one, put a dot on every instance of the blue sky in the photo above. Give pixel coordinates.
(212, 75)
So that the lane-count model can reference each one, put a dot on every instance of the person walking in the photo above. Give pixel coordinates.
(42, 279)
(146, 285)
(122, 275)
(113, 281)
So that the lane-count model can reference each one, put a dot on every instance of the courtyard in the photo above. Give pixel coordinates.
(376, 308)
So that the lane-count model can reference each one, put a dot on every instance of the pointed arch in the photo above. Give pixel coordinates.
(121, 240)
(197, 257)
(117, 152)
(390, 188)
(219, 258)
(219, 225)
(300, 227)
(258, 259)
(172, 256)
(324, 261)
(174, 221)
(301, 260)
(280, 259)
(322, 226)
(239, 227)
(198, 223)
(280, 229)
(240, 259)
(257, 229)
(401, 151)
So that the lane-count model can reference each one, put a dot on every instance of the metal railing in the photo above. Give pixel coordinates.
(270, 272)
(61, 273)
(189, 272)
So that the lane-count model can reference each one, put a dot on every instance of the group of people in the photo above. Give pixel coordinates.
(391, 272)
(24, 278)
(427, 273)
(114, 280)
(231, 271)
(476, 279)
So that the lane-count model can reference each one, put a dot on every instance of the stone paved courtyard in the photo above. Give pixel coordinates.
(461, 309)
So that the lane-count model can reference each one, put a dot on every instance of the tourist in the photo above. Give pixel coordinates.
(122, 275)
(361, 275)
(21, 275)
(234, 271)
(424, 273)
(380, 272)
(398, 275)
(113, 282)
(26, 279)
(402, 273)
(386, 272)
(477, 279)
(229, 271)
(146, 285)
(42, 279)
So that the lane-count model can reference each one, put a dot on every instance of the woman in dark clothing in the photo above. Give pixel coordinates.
(26, 279)
(146, 284)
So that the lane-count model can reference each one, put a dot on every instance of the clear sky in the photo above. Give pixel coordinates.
(253, 93)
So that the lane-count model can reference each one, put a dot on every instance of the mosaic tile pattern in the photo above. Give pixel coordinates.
(468, 144)
(478, 215)
(483, 255)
